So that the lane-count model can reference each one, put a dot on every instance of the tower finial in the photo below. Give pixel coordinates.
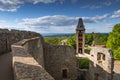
(80, 24)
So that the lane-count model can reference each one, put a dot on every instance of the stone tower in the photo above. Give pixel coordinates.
(80, 37)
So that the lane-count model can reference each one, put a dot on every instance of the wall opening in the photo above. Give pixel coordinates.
(100, 57)
(80, 50)
(64, 73)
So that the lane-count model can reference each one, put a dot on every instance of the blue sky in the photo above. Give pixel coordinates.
(59, 16)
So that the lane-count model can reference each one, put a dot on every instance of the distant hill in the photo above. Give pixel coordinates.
(47, 35)
(62, 34)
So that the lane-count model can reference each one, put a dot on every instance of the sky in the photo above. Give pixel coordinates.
(59, 16)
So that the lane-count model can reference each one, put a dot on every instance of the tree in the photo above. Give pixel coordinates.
(52, 40)
(88, 39)
(71, 41)
(113, 41)
(100, 38)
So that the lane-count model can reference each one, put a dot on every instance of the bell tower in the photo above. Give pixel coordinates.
(80, 37)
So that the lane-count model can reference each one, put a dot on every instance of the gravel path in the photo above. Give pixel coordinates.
(6, 67)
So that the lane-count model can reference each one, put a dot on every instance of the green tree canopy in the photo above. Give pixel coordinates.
(114, 41)
(71, 41)
(100, 38)
(88, 38)
(52, 40)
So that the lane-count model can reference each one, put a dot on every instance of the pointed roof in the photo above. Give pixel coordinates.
(80, 25)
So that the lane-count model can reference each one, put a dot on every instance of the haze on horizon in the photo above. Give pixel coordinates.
(59, 16)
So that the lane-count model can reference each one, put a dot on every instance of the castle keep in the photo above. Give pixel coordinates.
(33, 59)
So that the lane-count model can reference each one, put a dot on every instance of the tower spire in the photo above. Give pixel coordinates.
(80, 37)
(80, 25)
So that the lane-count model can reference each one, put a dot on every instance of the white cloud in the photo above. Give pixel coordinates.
(91, 6)
(95, 7)
(53, 24)
(60, 20)
(95, 19)
(116, 14)
(2, 21)
(109, 25)
(13, 5)
(107, 3)
(57, 23)
(56, 20)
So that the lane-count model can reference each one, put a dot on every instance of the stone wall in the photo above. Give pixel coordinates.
(33, 57)
(8, 37)
(60, 62)
(101, 64)
(35, 47)
(26, 55)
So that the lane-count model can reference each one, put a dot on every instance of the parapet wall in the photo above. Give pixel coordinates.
(26, 55)
(60, 61)
(8, 37)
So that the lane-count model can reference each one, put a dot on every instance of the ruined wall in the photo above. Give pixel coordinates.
(24, 61)
(101, 64)
(9, 37)
(33, 57)
(60, 61)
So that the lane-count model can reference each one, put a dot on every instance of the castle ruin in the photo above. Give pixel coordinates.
(33, 59)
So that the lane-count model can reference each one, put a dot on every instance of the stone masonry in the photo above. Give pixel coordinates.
(8, 37)
(101, 64)
(33, 59)
(60, 58)
(25, 64)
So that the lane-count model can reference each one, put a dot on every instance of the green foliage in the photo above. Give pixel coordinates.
(52, 40)
(100, 38)
(114, 41)
(88, 39)
(88, 48)
(117, 54)
(84, 63)
(71, 41)
(97, 37)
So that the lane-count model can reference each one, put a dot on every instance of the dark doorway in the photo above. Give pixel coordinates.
(64, 73)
